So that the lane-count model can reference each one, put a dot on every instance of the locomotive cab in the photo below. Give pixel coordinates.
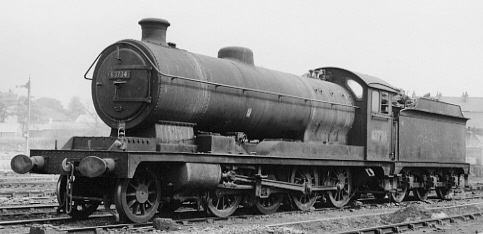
(373, 127)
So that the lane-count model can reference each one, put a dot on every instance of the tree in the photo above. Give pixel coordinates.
(43, 109)
(75, 108)
(20, 109)
(8, 101)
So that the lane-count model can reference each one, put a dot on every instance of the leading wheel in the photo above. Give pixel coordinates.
(137, 199)
(222, 205)
(300, 176)
(81, 209)
(341, 178)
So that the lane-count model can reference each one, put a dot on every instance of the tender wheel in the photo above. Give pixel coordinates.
(399, 195)
(379, 196)
(421, 193)
(342, 179)
(443, 192)
(222, 205)
(81, 209)
(137, 199)
(301, 176)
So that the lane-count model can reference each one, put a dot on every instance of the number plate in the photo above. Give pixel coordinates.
(119, 74)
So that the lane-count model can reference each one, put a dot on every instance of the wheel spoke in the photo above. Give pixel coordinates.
(217, 202)
(131, 203)
(143, 181)
(149, 183)
(143, 209)
(133, 186)
(134, 208)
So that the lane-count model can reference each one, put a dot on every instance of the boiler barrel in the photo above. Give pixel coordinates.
(140, 83)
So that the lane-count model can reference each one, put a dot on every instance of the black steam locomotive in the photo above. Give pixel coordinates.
(218, 133)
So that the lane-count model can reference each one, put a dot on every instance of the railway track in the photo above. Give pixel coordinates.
(393, 228)
(28, 186)
(183, 220)
(406, 226)
(188, 217)
(396, 227)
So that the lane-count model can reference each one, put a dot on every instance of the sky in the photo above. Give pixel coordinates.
(420, 46)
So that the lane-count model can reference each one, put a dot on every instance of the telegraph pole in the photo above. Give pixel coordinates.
(27, 137)
(27, 130)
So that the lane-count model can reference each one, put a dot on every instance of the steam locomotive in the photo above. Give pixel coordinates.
(217, 133)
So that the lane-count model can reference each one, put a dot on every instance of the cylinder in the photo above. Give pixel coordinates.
(189, 177)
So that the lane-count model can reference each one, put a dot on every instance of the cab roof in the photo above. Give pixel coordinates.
(368, 80)
(375, 82)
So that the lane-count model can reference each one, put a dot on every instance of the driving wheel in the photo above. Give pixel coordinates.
(300, 176)
(341, 178)
(270, 204)
(222, 204)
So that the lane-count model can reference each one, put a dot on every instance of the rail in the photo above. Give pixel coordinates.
(400, 227)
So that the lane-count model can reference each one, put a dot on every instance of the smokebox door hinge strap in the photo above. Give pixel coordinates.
(118, 57)
(121, 130)
(121, 135)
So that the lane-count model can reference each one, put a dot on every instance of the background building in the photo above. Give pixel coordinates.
(472, 108)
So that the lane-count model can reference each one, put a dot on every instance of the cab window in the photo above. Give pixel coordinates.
(380, 102)
(384, 103)
(375, 101)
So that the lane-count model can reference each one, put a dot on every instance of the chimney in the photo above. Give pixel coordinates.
(154, 30)
(465, 96)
